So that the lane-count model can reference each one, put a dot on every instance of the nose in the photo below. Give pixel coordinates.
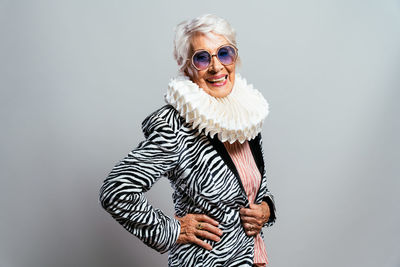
(215, 65)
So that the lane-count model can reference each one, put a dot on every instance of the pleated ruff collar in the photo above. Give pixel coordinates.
(237, 117)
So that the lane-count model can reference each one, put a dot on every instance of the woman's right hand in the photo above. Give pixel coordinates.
(194, 226)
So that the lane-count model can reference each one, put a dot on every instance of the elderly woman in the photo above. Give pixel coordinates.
(207, 142)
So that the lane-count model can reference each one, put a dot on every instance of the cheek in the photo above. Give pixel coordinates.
(199, 78)
(195, 75)
(231, 70)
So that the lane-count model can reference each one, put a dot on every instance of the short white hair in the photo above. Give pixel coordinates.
(207, 23)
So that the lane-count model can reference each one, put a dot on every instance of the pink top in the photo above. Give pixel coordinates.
(251, 178)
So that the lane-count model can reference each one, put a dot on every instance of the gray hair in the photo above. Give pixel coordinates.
(204, 24)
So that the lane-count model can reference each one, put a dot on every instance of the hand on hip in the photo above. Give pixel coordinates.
(196, 226)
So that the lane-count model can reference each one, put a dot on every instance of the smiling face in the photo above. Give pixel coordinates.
(217, 80)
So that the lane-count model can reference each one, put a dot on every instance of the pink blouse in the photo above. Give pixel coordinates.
(251, 178)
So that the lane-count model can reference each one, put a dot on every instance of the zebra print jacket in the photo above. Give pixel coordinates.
(204, 180)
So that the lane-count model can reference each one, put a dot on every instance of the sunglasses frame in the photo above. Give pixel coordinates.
(216, 55)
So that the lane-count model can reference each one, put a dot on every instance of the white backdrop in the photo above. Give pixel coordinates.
(78, 77)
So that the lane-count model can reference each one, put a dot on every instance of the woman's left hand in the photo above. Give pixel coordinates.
(253, 218)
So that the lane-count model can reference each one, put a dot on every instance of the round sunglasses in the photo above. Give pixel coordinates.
(226, 54)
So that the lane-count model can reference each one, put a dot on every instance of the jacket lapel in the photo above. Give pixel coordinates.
(223, 153)
(255, 147)
(221, 150)
(256, 150)
(219, 146)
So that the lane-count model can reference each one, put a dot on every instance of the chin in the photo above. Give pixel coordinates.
(220, 92)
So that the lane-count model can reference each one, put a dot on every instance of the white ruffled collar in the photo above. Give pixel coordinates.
(236, 117)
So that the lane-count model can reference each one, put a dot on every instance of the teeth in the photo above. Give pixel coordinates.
(217, 80)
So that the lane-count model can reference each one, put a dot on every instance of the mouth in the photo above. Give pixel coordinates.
(218, 80)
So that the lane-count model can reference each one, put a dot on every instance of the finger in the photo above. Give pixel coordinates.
(251, 233)
(248, 219)
(251, 227)
(253, 220)
(254, 206)
(248, 212)
(255, 213)
(248, 226)
(251, 230)
(208, 235)
(211, 228)
(201, 243)
(205, 218)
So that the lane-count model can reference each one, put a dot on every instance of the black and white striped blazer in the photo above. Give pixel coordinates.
(204, 180)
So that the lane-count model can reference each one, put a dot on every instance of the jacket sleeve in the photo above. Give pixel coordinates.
(269, 198)
(122, 193)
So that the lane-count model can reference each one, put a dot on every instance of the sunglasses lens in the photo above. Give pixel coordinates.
(227, 55)
(201, 60)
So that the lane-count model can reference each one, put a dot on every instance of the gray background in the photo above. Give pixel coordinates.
(78, 77)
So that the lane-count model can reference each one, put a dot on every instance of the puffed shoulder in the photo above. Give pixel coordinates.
(164, 117)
